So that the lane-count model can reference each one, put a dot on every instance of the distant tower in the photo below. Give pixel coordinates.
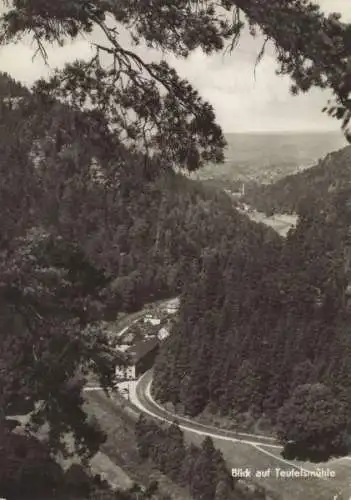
(243, 190)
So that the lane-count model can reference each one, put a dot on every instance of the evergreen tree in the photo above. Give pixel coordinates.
(187, 469)
(314, 421)
(141, 429)
(203, 484)
(176, 451)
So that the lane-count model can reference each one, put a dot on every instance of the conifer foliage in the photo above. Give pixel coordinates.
(274, 340)
(202, 470)
(79, 244)
(314, 50)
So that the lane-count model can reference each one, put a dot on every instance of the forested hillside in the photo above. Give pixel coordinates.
(144, 241)
(256, 326)
(83, 241)
(202, 470)
(165, 238)
(296, 191)
(128, 236)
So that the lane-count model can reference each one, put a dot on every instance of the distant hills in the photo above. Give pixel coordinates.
(267, 157)
(330, 175)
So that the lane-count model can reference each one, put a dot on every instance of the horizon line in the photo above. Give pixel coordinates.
(292, 131)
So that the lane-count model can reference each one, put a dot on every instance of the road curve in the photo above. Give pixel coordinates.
(141, 397)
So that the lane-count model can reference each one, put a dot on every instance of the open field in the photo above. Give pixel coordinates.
(100, 463)
(281, 223)
(116, 476)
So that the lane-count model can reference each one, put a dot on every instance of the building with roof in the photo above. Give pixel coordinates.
(139, 358)
(163, 334)
(148, 318)
(173, 306)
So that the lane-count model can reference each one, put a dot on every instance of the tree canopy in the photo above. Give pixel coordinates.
(149, 102)
(314, 421)
(263, 333)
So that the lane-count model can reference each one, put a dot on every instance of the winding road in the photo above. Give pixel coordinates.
(321, 489)
(141, 397)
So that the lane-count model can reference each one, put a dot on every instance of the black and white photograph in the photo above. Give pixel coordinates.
(175, 250)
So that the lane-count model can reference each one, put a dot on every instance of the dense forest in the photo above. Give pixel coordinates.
(200, 469)
(140, 242)
(292, 193)
(261, 324)
(114, 249)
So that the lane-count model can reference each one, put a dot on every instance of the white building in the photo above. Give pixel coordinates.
(148, 318)
(122, 347)
(14, 102)
(172, 309)
(163, 334)
(173, 306)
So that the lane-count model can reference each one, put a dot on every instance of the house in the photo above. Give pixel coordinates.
(173, 306)
(13, 102)
(163, 334)
(121, 347)
(172, 309)
(148, 318)
(139, 358)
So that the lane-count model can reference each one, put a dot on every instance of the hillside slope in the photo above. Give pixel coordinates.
(333, 173)
(254, 329)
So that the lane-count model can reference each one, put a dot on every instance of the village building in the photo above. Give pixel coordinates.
(122, 347)
(148, 318)
(139, 358)
(13, 103)
(172, 309)
(163, 334)
(173, 306)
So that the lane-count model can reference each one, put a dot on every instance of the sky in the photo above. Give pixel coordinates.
(243, 101)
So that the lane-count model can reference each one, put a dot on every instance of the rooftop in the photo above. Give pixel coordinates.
(139, 349)
(174, 302)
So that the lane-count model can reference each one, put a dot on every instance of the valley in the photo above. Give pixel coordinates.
(242, 451)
